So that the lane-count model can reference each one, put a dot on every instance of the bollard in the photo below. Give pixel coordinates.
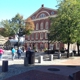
(40, 59)
(59, 55)
(4, 66)
(25, 61)
(72, 54)
(51, 57)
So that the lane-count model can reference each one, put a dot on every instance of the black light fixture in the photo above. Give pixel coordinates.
(20, 33)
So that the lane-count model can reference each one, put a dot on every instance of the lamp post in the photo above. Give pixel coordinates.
(20, 33)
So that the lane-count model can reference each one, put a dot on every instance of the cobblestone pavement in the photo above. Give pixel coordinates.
(66, 67)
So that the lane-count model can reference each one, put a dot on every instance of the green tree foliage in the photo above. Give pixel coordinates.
(7, 29)
(12, 26)
(29, 25)
(65, 27)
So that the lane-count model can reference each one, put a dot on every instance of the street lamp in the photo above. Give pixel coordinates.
(20, 33)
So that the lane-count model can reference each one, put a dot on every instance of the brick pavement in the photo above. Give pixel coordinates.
(38, 75)
(41, 69)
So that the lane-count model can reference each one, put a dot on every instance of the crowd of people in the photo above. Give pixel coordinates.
(19, 52)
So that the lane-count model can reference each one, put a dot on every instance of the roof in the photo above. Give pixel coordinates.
(42, 7)
(3, 39)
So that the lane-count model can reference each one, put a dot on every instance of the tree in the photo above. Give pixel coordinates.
(29, 25)
(64, 26)
(16, 26)
(78, 25)
(7, 30)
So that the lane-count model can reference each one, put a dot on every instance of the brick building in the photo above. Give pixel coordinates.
(39, 37)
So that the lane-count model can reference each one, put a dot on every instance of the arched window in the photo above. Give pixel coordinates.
(36, 35)
(46, 36)
(36, 45)
(52, 12)
(41, 35)
(37, 26)
(57, 45)
(46, 25)
(28, 37)
(41, 25)
(42, 15)
(32, 36)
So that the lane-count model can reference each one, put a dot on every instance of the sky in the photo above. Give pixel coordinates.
(9, 8)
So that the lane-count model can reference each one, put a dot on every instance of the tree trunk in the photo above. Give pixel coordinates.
(78, 49)
(68, 50)
(18, 41)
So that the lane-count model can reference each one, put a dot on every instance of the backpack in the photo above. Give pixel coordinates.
(19, 51)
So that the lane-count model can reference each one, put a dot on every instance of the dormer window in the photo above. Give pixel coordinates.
(42, 15)
(52, 12)
(33, 17)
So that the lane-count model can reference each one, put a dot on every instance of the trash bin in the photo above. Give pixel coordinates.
(74, 51)
(4, 66)
(31, 57)
(72, 54)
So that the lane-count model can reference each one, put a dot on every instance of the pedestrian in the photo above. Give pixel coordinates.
(29, 48)
(1, 52)
(23, 49)
(13, 53)
(19, 52)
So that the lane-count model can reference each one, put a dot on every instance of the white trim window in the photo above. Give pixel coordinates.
(58, 45)
(36, 45)
(42, 15)
(51, 46)
(41, 35)
(52, 12)
(27, 44)
(47, 25)
(41, 25)
(28, 37)
(46, 36)
(36, 35)
(32, 36)
(37, 26)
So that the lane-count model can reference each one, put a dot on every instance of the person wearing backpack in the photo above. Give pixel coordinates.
(19, 52)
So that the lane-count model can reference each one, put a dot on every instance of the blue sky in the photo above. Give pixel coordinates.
(9, 8)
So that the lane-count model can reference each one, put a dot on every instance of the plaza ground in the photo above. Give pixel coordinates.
(41, 71)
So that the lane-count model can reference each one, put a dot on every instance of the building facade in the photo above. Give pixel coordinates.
(39, 37)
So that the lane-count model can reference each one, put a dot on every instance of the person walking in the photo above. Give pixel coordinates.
(13, 53)
(29, 48)
(1, 53)
(19, 52)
